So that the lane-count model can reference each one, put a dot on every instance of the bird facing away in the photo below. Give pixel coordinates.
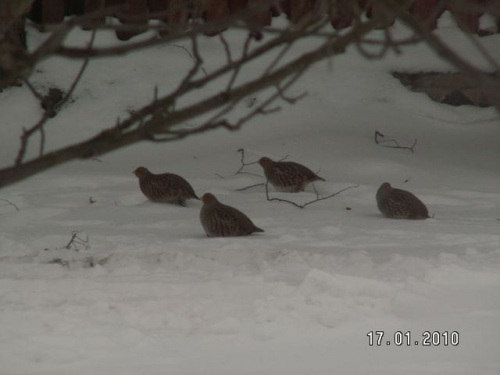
(400, 204)
(220, 220)
(288, 176)
(165, 187)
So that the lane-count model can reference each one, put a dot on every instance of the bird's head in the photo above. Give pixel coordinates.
(208, 198)
(141, 171)
(385, 188)
(265, 161)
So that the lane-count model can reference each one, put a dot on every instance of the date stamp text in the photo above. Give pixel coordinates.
(407, 338)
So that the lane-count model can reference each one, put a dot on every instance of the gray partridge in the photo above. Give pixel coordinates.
(220, 220)
(288, 176)
(165, 187)
(400, 204)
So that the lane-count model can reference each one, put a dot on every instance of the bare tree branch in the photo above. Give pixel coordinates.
(146, 122)
(278, 58)
(39, 126)
(162, 121)
(243, 58)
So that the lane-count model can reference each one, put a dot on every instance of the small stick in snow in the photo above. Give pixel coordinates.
(243, 164)
(318, 197)
(73, 235)
(249, 187)
(75, 241)
(379, 135)
(10, 204)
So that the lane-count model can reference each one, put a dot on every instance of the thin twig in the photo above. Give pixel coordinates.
(278, 58)
(237, 69)
(227, 48)
(175, 134)
(198, 61)
(397, 145)
(10, 204)
(170, 99)
(289, 99)
(189, 54)
(39, 126)
(76, 240)
(251, 186)
(79, 75)
(73, 235)
(243, 164)
(318, 198)
(27, 133)
(42, 141)
(33, 90)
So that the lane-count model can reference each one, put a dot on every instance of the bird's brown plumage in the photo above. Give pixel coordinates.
(400, 204)
(165, 187)
(220, 220)
(288, 176)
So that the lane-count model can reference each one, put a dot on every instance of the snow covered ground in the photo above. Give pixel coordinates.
(145, 292)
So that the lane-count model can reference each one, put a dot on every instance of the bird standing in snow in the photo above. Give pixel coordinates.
(165, 187)
(400, 204)
(288, 176)
(220, 220)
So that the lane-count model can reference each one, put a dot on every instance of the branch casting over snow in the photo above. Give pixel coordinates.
(160, 119)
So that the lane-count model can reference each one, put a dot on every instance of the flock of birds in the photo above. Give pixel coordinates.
(220, 220)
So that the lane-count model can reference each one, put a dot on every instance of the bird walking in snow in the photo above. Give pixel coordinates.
(220, 220)
(165, 187)
(400, 204)
(288, 176)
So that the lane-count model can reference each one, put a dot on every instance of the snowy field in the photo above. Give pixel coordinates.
(145, 292)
